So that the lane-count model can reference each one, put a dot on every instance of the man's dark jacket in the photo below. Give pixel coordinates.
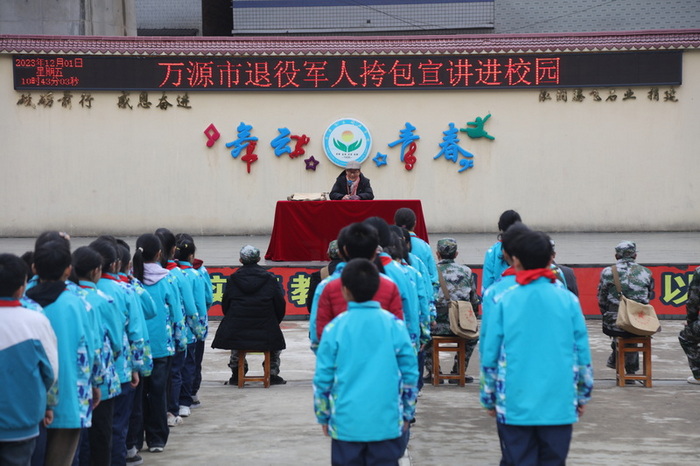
(253, 307)
(340, 188)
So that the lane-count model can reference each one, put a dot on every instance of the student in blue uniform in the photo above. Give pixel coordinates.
(394, 270)
(365, 384)
(198, 265)
(134, 360)
(166, 332)
(536, 375)
(77, 389)
(96, 442)
(189, 309)
(494, 262)
(28, 365)
(184, 256)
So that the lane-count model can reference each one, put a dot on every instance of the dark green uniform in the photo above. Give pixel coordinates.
(690, 335)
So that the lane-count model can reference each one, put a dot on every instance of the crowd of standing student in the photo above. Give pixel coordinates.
(527, 310)
(120, 360)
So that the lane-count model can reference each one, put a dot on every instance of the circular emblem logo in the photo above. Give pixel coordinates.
(347, 140)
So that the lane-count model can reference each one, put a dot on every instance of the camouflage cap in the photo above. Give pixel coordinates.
(447, 247)
(626, 249)
(250, 254)
(333, 252)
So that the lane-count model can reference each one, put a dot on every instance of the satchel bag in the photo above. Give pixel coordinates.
(635, 317)
(463, 321)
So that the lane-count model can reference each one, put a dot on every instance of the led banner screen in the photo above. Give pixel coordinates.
(72, 72)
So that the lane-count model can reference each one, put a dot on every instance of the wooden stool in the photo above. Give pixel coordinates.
(445, 344)
(645, 349)
(242, 378)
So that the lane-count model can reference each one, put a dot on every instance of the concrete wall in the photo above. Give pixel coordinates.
(68, 17)
(566, 166)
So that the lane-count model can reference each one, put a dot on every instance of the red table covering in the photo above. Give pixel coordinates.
(303, 229)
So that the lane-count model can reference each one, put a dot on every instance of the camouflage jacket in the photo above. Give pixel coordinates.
(692, 306)
(636, 282)
(461, 285)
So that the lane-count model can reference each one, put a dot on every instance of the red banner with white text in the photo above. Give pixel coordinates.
(670, 287)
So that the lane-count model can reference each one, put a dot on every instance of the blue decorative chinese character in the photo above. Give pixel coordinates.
(281, 142)
(241, 143)
(406, 137)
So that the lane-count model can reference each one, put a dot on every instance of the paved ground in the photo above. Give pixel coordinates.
(276, 426)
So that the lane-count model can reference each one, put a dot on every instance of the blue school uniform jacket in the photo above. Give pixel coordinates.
(111, 331)
(167, 329)
(28, 367)
(197, 323)
(189, 306)
(419, 274)
(535, 357)
(494, 265)
(135, 286)
(208, 295)
(77, 354)
(313, 314)
(409, 296)
(422, 249)
(366, 375)
(135, 355)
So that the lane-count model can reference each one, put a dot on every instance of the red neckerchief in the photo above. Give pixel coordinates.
(109, 276)
(385, 260)
(171, 265)
(185, 267)
(10, 303)
(509, 271)
(198, 263)
(526, 276)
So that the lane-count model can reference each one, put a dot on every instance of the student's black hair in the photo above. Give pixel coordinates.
(147, 247)
(508, 237)
(168, 242)
(51, 260)
(382, 229)
(124, 256)
(361, 278)
(85, 260)
(187, 236)
(408, 247)
(108, 251)
(359, 240)
(397, 249)
(28, 258)
(109, 238)
(184, 248)
(121, 242)
(533, 249)
(508, 218)
(405, 217)
(51, 235)
(342, 241)
(13, 274)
